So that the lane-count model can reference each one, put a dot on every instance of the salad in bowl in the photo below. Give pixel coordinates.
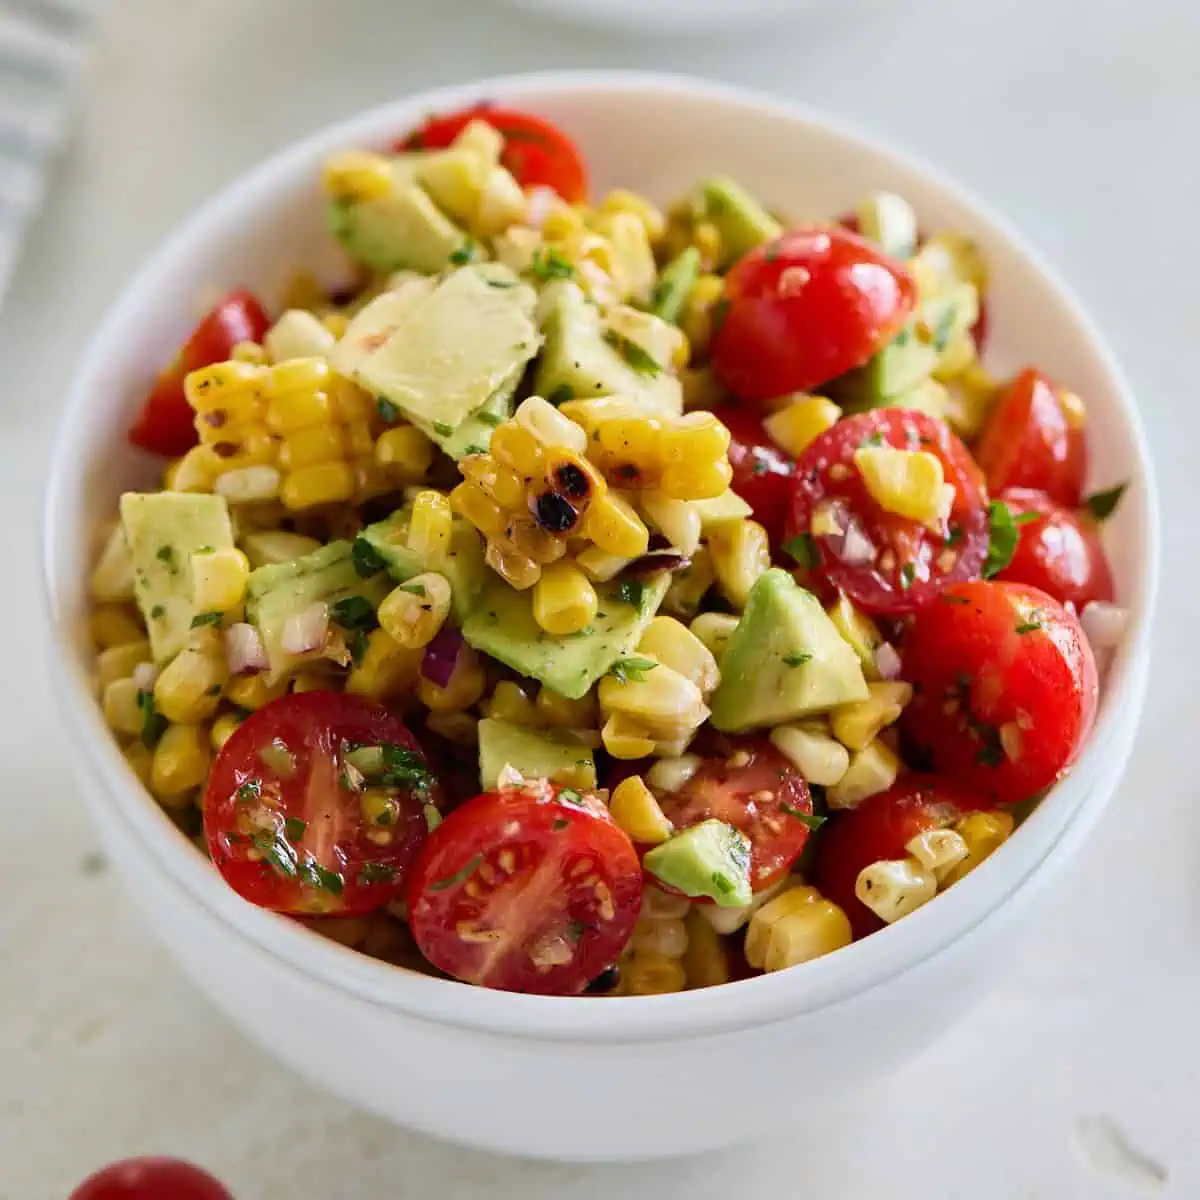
(586, 598)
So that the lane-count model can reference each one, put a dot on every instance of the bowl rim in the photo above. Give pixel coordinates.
(730, 1007)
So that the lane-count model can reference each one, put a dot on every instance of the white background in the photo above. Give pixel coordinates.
(1078, 119)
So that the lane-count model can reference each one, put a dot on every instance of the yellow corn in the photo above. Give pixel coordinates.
(672, 643)
(512, 565)
(957, 357)
(741, 552)
(473, 503)
(181, 761)
(705, 962)
(647, 974)
(509, 702)
(316, 444)
(622, 200)
(248, 485)
(664, 703)
(796, 426)
(796, 927)
(858, 723)
(462, 690)
(549, 426)
(431, 527)
(894, 888)
(677, 520)
(612, 524)
(268, 547)
(249, 444)
(636, 810)
(140, 761)
(405, 453)
(356, 176)
(559, 712)
(112, 625)
(938, 850)
(667, 936)
(1073, 408)
(695, 453)
(600, 566)
(689, 586)
(518, 448)
(188, 688)
(623, 739)
(591, 414)
(223, 728)
(859, 630)
(219, 580)
(564, 600)
(714, 630)
(191, 473)
(118, 662)
(984, 833)
(323, 483)
(460, 728)
(250, 352)
(816, 755)
(120, 701)
(910, 483)
(253, 691)
(387, 670)
(697, 318)
(413, 613)
(223, 394)
(317, 678)
(872, 769)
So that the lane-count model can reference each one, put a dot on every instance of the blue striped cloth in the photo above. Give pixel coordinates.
(42, 45)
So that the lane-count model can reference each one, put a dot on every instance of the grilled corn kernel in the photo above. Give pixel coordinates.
(188, 688)
(670, 774)
(858, 723)
(268, 547)
(518, 448)
(664, 703)
(181, 761)
(984, 833)
(122, 707)
(223, 728)
(796, 426)
(559, 712)
(672, 643)
(226, 388)
(705, 962)
(910, 483)
(859, 630)
(689, 586)
(624, 740)
(668, 937)
(564, 600)
(253, 691)
(509, 702)
(938, 850)
(431, 528)
(512, 565)
(677, 520)
(322, 483)
(697, 318)
(816, 755)
(464, 688)
(549, 426)
(600, 566)
(112, 577)
(714, 630)
(357, 175)
(741, 552)
(405, 453)
(118, 662)
(695, 452)
(248, 485)
(622, 200)
(612, 524)
(646, 974)
(795, 927)
(112, 625)
(140, 761)
(872, 769)
(957, 356)
(219, 580)
(894, 888)
(413, 613)
(191, 473)
(636, 810)
(316, 444)
(317, 678)
(474, 504)
(386, 671)
(250, 352)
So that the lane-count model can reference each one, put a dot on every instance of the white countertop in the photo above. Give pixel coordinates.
(1081, 122)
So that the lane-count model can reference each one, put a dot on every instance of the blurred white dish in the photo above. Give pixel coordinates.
(663, 16)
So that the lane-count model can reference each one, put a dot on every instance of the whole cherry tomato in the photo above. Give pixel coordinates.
(150, 1179)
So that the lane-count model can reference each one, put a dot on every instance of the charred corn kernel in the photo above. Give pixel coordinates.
(357, 175)
(323, 483)
(813, 752)
(516, 447)
(404, 452)
(859, 723)
(188, 688)
(298, 334)
(894, 888)
(984, 833)
(191, 473)
(248, 485)
(223, 728)
(859, 630)
(464, 688)
(122, 709)
(910, 483)
(695, 458)
(549, 426)
(112, 625)
(634, 439)
(697, 319)
(460, 728)
(741, 552)
(600, 566)
(473, 503)
(118, 662)
(611, 523)
(646, 974)
(227, 390)
(247, 445)
(796, 426)
(677, 520)
(938, 850)
(635, 809)
(714, 630)
(623, 739)
(796, 927)
(317, 444)
(431, 527)
(665, 936)
(670, 774)
(689, 586)
(1073, 408)
(872, 769)
(623, 200)
(112, 577)
(181, 761)
(140, 761)
(509, 702)
(564, 600)
(386, 670)
(559, 712)
(219, 580)
(674, 644)
(705, 962)
(295, 395)
(253, 691)
(664, 703)
(413, 613)
(516, 568)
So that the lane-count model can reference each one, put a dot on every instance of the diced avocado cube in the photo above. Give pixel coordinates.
(163, 530)
(534, 754)
(711, 860)
(474, 435)
(899, 366)
(502, 625)
(785, 660)
(463, 566)
(674, 284)
(743, 223)
(277, 592)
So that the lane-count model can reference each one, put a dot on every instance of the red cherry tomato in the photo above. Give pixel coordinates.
(1029, 442)
(150, 1179)
(294, 826)
(530, 889)
(165, 424)
(762, 472)
(537, 152)
(1005, 688)
(1060, 552)
(805, 308)
(880, 828)
(754, 789)
(884, 562)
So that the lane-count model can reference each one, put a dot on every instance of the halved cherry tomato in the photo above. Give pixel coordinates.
(878, 829)
(805, 308)
(754, 789)
(1029, 442)
(1005, 688)
(536, 151)
(150, 1179)
(165, 424)
(762, 472)
(884, 562)
(1060, 552)
(295, 826)
(531, 889)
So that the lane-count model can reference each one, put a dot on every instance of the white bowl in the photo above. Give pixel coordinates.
(580, 1078)
(664, 16)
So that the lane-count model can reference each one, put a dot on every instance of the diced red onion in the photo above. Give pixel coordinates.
(145, 675)
(306, 630)
(853, 548)
(887, 661)
(1104, 624)
(244, 650)
(441, 656)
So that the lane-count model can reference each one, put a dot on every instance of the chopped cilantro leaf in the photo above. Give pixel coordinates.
(317, 876)
(489, 418)
(803, 549)
(459, 876)
(798, 659)
(387, 410)
(442, 429)
(464, 254)
(559, 825)
(810, 819)
(417, 589)
(635, 593)
(276, 851)
(632, 353)
(353, 612)
(294, 828)
(872, 439)
(1002, 540)
(154, 724)
(954, 535)
(570, 796)
(403, 768)
(365, 558)
(206, 618)
(1102, 505)
(158, 611)
(560, 395)
(249, 791)
(1028, 626)
(631, 670)
(376, 872)
(907, 572)
(549, 263)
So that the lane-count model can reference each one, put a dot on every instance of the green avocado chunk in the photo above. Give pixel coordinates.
(533, 753)
(163, 530)
(711, 859)
(674, 284)
(903, 364)
(743, 223)
(502, 625)
(785, 660)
